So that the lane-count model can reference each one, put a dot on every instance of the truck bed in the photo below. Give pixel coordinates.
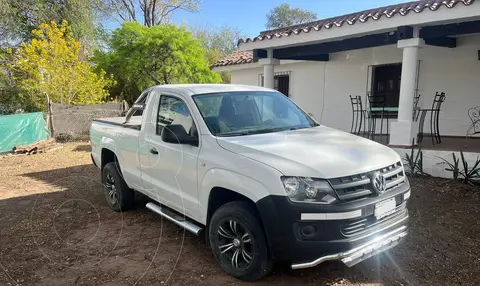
(134, 123)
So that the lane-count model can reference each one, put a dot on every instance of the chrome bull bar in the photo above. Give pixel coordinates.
(358, 254)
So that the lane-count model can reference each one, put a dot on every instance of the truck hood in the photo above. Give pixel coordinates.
(319, 152)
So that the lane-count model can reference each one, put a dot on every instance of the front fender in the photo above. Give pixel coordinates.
(246, 186)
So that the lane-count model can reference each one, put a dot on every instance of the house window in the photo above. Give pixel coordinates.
(281, 82)
(386, 85)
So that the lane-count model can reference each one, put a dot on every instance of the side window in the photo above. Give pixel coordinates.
(173, 110)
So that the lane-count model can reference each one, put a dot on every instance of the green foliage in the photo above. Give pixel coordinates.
(18, 18)
(217, 44)
(8, 88)
(415, 162)
(51, 64)
(284, 16)
(141, 56)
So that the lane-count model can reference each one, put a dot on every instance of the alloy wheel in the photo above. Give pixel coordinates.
(235, 244)
(110, 188)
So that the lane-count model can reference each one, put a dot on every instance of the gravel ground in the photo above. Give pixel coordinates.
(56, 229)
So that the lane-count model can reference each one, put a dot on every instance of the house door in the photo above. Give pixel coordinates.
(386, 84)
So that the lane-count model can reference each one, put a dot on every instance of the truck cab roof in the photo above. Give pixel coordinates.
(193, 89)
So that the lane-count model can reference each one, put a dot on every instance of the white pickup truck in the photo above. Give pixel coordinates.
(257, 175)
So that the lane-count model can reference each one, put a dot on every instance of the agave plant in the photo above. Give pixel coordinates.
(452, 167)
(415, 161)
(468, 175)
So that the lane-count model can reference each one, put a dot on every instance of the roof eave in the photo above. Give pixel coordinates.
(235, 67)
(427, 17)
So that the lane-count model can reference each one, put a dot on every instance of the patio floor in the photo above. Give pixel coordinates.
(452, 144)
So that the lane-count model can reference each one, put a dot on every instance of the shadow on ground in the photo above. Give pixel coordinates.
(83, 148)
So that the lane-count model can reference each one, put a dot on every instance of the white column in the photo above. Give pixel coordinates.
(268, 76)
(269, 69)
(404, 130)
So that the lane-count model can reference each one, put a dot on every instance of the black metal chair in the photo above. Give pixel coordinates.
(357, 114)
(474, 115)
(377, 111)
(434, 119)
(416, 109)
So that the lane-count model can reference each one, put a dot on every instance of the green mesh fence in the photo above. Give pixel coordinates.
(22, 129)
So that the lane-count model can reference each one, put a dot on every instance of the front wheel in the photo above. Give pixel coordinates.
(238, 242)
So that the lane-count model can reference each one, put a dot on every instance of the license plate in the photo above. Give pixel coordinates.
(384, 208)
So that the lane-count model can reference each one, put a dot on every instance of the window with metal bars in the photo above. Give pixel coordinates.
(281, 82)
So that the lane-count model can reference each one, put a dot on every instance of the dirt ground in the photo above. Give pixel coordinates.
(56, 229)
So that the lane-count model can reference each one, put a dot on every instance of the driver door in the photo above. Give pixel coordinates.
(173, 167)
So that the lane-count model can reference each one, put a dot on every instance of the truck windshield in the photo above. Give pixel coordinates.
(245, 113)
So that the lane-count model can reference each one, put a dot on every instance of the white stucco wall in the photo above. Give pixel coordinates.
(323, 88)
(434, 164)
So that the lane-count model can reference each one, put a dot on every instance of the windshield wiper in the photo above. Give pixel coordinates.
(235, 133)
(254, 131)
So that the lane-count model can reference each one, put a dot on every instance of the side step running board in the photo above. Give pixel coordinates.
(193, 228)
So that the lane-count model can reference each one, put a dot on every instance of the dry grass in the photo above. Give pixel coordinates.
(56, 229)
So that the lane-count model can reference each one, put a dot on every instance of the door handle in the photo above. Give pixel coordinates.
(154, 151)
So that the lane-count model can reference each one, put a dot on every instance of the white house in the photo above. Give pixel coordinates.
(400, 51)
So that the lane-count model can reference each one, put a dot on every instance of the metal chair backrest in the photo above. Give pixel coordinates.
(416, 99)
(376, 100)
(474, 115)
(438, 100)
(356, 102)
(416, 109)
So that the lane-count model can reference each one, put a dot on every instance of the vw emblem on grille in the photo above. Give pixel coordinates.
(378, 182)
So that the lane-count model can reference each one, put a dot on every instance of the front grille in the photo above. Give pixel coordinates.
(358, 186)
(364, 224)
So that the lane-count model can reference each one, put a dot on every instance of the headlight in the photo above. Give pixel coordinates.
(308, 190)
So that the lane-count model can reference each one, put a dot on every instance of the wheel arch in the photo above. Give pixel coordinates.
(221, 186)
(107, 156)
(220, 196)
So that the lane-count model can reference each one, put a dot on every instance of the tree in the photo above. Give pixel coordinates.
(218, 43)
(284, 16)
(141, 56)
(19, 18)
(51, 64)
(8, 87)
(153, 12)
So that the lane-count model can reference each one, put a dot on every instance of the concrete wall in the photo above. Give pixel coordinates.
(323, 88)
(76, 119)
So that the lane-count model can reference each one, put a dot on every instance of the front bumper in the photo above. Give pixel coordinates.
(362, 252)
(305, 235)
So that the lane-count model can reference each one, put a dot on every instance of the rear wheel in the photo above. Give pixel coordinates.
(238, 242)
(118, 195)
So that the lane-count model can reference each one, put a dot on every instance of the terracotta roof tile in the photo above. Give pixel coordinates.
(401, 9)
(236, 58)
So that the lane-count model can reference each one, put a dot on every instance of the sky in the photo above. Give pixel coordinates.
(250, 15)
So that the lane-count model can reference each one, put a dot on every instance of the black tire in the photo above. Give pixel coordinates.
(246, 220)
(124, 196)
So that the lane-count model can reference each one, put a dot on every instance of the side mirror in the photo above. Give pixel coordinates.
(176, 134)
